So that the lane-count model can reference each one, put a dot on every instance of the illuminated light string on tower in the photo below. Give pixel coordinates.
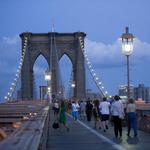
(92, 71)
(12, 88)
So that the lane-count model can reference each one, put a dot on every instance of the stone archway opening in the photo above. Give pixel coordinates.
(65, 66)
(39, 83)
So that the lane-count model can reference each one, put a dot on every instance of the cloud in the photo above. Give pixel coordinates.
(10, 48)
(109, 55)
(100, 54)
(11, 40)
(141, 51)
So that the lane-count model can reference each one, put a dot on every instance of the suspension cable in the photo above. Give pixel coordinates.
(92, 71)
(69, 89)
(13, 86)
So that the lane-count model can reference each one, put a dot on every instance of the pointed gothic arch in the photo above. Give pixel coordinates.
(39, 67)
(40, 43)
(66, 66)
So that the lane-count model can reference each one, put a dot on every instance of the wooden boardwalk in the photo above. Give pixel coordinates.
(82, 136)
(25, 124)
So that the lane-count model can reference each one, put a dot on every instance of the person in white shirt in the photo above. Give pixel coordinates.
(117, 112)
(105, 112)
(75, 109)
(56, 108)
(82, 110)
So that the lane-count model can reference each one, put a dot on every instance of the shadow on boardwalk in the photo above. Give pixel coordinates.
(82, 136)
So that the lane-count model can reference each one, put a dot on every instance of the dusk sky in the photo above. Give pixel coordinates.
(102, 20)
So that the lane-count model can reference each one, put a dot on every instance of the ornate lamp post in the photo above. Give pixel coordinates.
(127, 49)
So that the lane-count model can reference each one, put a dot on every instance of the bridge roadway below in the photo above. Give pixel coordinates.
(82, 136)
(24, 125)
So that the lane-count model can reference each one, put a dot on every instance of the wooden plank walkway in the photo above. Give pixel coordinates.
(26, 134)
(82, 136)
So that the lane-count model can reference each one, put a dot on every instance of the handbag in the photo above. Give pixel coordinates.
(121, 115)
(55, 125)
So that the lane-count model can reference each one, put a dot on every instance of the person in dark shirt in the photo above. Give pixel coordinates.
(89, 108)
(96, 114)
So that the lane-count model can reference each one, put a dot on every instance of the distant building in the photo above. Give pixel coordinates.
(142, 92)
(138, 93)
(43, 92)
(123, 91)
(92, 95)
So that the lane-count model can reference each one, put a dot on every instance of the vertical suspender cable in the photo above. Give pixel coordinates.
(91, 70)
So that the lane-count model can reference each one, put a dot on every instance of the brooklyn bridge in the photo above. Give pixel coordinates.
(26, 122)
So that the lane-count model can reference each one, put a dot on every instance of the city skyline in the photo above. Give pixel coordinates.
(103, 21)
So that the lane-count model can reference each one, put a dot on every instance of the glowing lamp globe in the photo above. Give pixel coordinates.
(73, 84)
(47, 76)
(127, 42)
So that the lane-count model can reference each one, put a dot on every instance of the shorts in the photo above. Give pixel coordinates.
(104, 117)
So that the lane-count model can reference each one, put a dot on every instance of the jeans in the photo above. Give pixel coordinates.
(132, 122)
(75, 115)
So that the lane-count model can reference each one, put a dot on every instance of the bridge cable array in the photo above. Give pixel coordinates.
(12, 88)
(70, 88)
(59, 77)
(92, 71)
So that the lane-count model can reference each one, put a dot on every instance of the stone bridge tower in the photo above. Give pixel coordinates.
(40, 44)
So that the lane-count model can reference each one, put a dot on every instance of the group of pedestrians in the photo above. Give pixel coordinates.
(101, 112)
(118, 114)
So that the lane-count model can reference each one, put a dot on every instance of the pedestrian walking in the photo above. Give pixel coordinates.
(89, 108)
(56, 108)
(117, 112)
(82, 110)
(131, 117)
(75, 109)
(96, 114)
(62, 116)
(105, 112)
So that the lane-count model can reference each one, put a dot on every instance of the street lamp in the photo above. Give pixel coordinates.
(47, 75)
(73, 84)
(127, 49)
